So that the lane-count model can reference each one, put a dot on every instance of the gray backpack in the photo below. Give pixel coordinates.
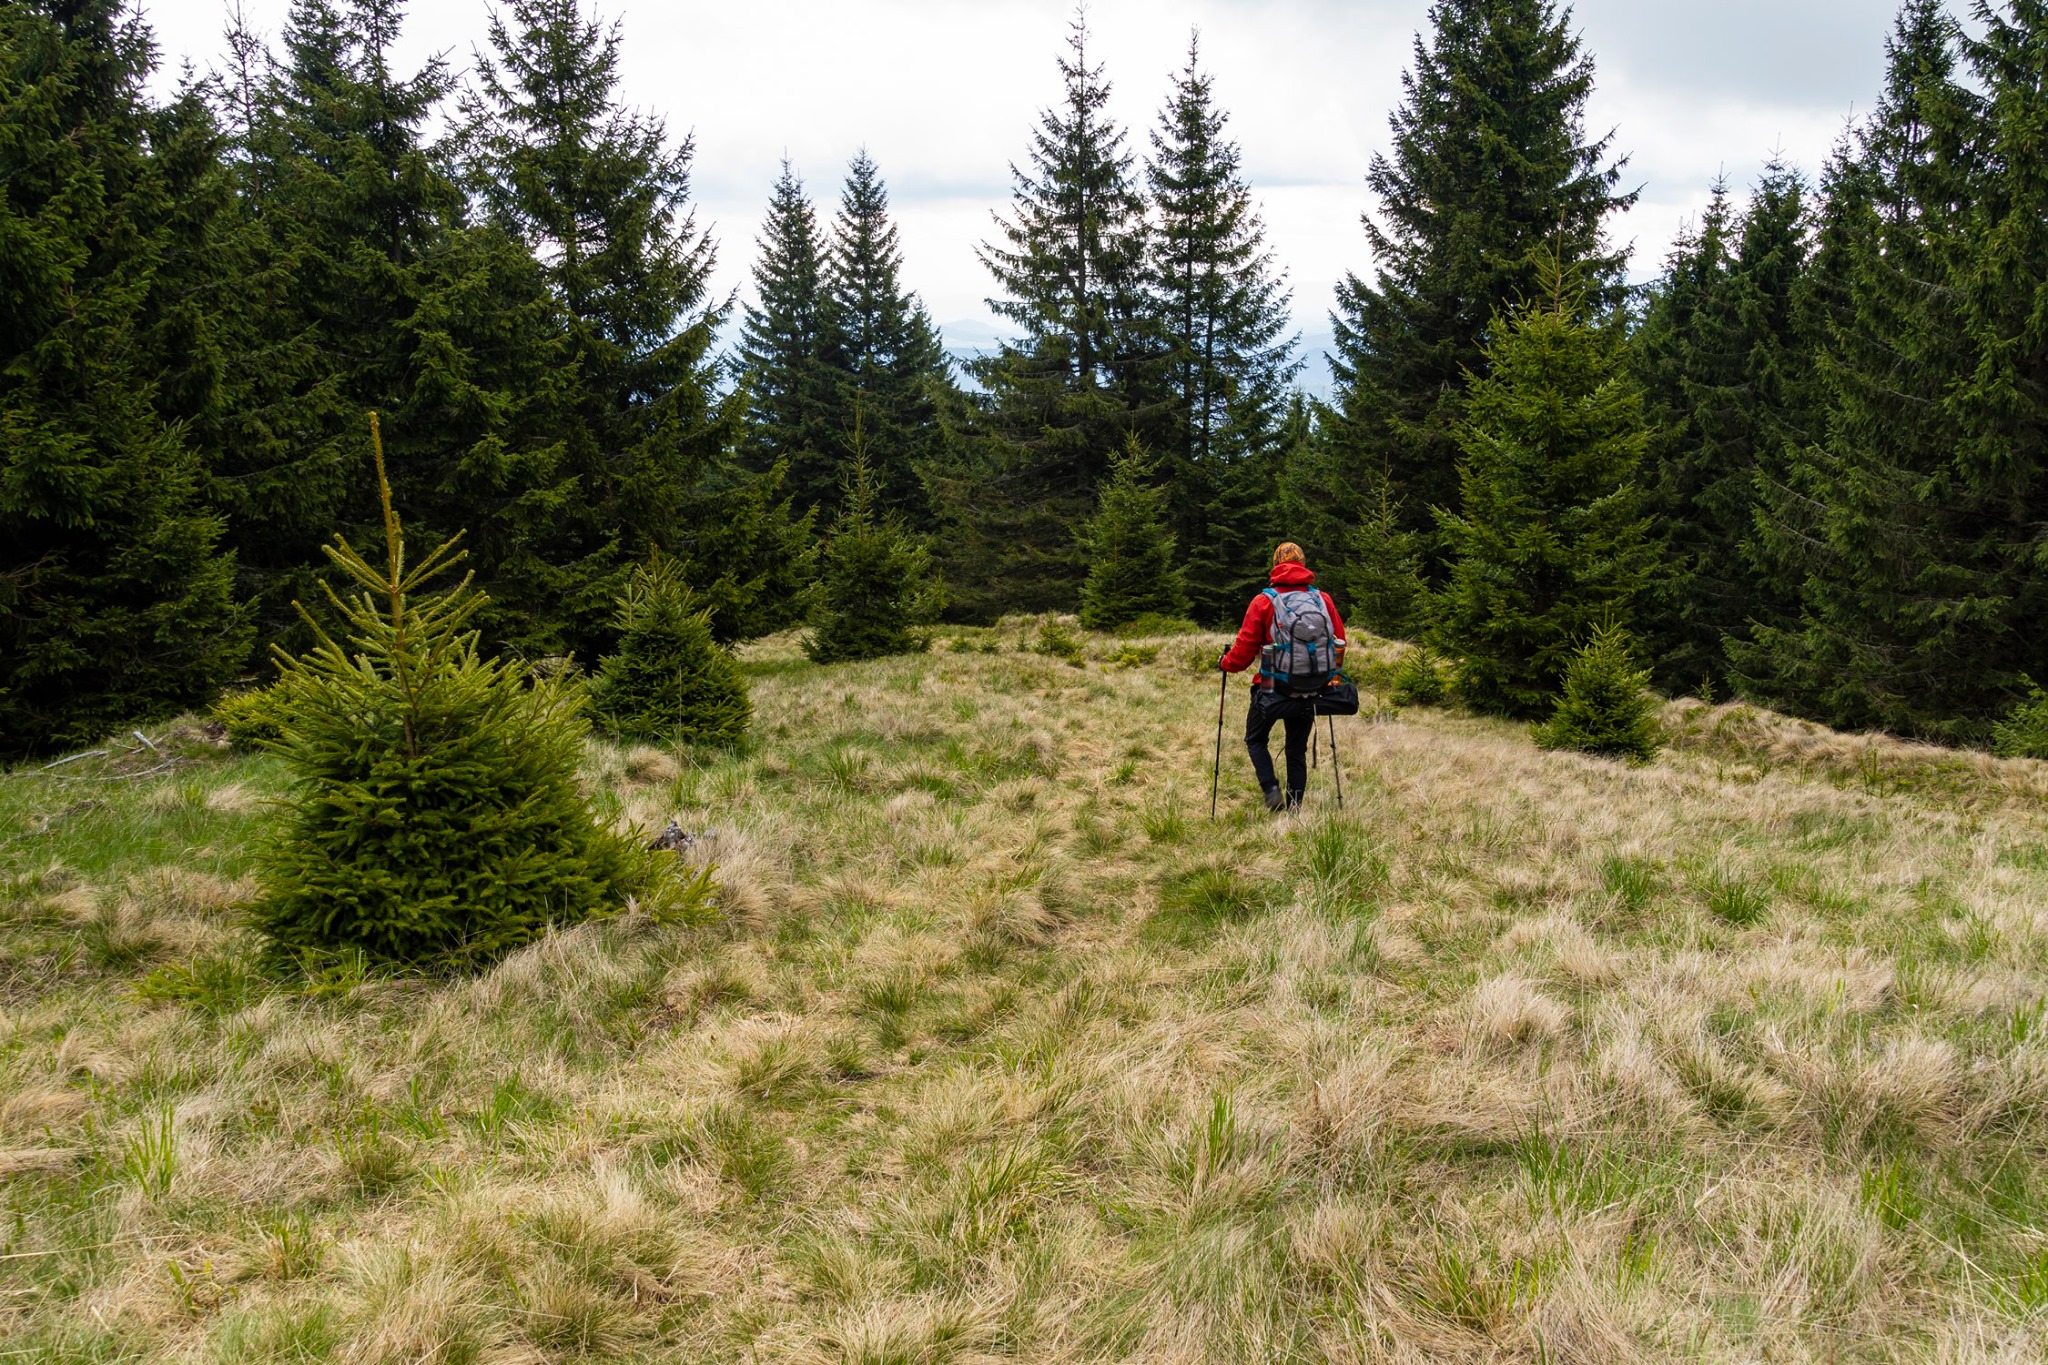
(1303, 650)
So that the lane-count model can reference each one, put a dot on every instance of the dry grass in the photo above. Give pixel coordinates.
(1003, 1052)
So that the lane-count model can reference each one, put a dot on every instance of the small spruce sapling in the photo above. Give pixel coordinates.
(1057, 640)
(669, 680)
(2024, 731)
(1606, 707)
(878, 589)
(253, 717)
(1419, 679)
(434, 817)
(1129, 549)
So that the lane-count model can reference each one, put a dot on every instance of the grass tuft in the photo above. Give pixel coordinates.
(1200, 900)
(1737, 901)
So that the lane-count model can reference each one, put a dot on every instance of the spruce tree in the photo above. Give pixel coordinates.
(369, 289)
(1790, 494)
(1552, 540)
(1058, 401)
(601, 198)
(884, 352)
(1418, 678)
(1670, 365)
(1605, 706)
(1730, 354)
(783, 355)
(876, 589)
(345, 203)
(2000, 410)
(752, 555)
(668, 681)
(1223, 315)
(1129, 549)
(116, 602)
(1662, 353)
(1490, 160)
(435, 816)
(1902, 617)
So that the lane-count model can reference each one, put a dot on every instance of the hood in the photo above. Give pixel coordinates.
(1291, 576)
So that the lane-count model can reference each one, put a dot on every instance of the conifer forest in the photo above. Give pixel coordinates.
(1800, 465)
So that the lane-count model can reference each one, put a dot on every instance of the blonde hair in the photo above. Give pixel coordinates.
(1288, 553)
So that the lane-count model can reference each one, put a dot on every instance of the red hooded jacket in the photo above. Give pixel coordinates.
(1257, 631)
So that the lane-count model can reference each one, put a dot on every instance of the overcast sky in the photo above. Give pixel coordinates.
(943, 94)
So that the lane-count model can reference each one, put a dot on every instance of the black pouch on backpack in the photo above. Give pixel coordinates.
(1340, 698)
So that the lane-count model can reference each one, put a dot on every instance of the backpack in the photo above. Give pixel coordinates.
(1303, 651)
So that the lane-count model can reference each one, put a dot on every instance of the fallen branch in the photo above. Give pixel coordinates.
(89, 753)
(172, 762)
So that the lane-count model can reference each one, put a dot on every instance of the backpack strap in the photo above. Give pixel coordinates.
(1283, 614)
(1269, 657)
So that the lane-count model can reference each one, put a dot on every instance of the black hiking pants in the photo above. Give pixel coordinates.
(1298, 715)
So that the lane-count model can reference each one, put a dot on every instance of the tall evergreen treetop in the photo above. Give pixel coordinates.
(889, 362)
(1670, 364)
(351, 133)
(870, 311)
(1490, 160)
(2002, 411)
(593, 188)
(1772, 325)
(601, 197)
(791, 391)
(1920, 143)
(1071, 260)
(1059, 400)
(1223, 312)
(1224, 305)
(1790, 495)
(1662, 353)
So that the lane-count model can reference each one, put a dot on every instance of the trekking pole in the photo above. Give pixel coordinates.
(1335, 771)
(1216, 774)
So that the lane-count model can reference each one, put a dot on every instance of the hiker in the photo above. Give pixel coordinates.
(1292, 629)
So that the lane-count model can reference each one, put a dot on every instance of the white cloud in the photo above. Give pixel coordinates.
(944, 94)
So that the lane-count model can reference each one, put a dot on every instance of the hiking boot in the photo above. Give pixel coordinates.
(1275, 802)
(1293, 802)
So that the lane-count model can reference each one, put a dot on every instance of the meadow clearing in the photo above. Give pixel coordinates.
(1000, 1050)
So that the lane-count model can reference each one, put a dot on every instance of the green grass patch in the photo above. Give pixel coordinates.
(1196, 902)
